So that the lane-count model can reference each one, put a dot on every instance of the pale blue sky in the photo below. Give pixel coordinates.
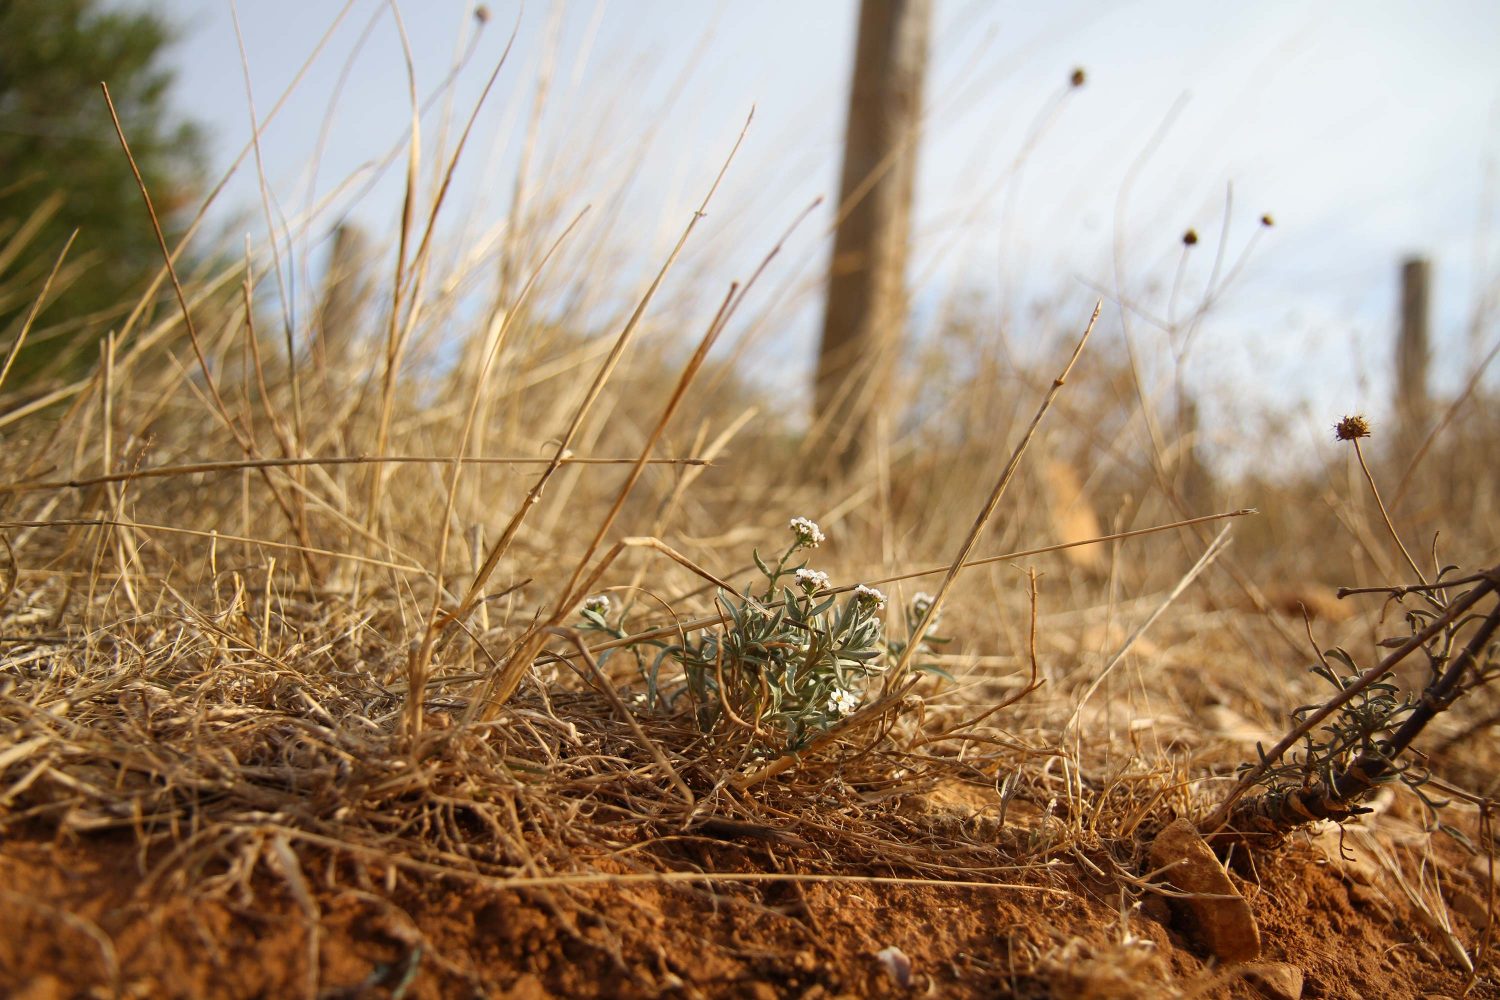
(1370, 130)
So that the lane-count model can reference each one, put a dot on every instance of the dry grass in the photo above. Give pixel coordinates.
(260, 608)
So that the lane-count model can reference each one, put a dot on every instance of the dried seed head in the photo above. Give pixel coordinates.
(1352, 428)
(1190, 238)
(1267, 220)
(1079, 77)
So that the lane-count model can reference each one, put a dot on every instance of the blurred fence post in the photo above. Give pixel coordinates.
(345, 297)
(866, 309)
(1194, 481)
(1413, 352)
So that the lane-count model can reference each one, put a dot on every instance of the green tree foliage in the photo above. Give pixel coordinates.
(61, 167)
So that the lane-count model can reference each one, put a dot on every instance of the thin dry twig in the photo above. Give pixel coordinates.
(238, 465)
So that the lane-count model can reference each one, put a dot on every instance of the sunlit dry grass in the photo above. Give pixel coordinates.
(262, 598)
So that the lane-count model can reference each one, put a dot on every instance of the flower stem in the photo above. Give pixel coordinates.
(1385, 516)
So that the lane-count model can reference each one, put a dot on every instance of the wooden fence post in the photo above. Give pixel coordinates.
(866, 310)
(1413, 352)
(345, 298)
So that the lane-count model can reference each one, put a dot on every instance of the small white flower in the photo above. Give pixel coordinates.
(842, 702)
(806, 531)
(922, 603)
(869, 597)
(812, 579)
(599, 604)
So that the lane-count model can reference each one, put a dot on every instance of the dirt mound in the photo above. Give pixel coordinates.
(94, 916)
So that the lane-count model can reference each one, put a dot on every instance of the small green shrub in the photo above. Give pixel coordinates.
(792, 659)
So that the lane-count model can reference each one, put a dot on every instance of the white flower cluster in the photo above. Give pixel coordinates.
(806, 531)
(599, 604)
(869, 597)
(812, 579)
(921, 603)
(842, 702)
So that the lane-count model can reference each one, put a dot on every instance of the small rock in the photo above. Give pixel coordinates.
(896, 965)
(1213, 913)
(762, 991)
(1276, 980)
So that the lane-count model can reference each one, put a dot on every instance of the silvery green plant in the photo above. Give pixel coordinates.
(791, 660)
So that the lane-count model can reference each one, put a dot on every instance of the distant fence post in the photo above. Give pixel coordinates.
(866, 311)
(1194, 480)
(1413, 352)
(346, 294)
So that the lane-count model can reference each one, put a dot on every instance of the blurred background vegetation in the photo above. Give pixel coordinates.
(340, 320)
(62, 169)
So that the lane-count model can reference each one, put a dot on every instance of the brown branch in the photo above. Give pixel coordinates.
(1335, 797)
(1221, 815)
